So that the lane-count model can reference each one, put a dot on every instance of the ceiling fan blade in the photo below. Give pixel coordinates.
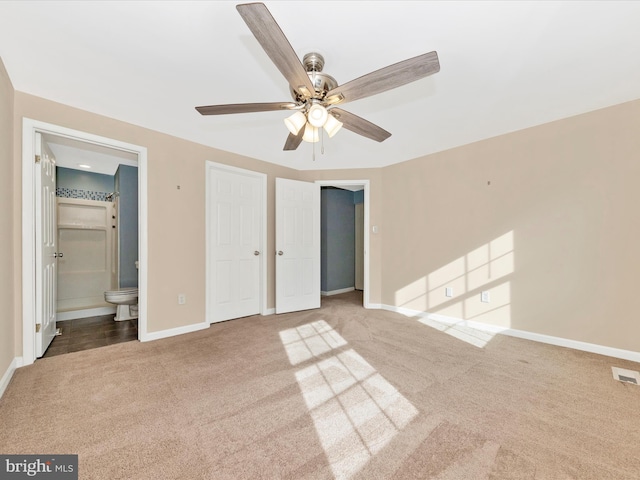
(385, 79)
(294, 141)
(275, 44)
(245, 108)
(360, 126)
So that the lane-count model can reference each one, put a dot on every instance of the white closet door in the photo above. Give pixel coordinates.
(235, 241)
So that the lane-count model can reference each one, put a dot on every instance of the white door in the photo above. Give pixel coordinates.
(234, 242)
(297, 245)
(46, 243)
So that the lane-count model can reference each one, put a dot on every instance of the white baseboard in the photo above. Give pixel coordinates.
(6, 377)
(172, 332)
(536, 337)
(269, 311)
(337, 292)
(89, 312)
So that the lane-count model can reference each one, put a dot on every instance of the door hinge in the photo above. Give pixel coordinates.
(38, 326)
(37, 158)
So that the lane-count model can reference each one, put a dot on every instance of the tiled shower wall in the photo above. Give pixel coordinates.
(84, 194)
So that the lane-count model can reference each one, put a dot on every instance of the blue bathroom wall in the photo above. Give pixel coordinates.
(324, 213)
(126, 184)
(337, 231)
(358, 197)
(72, 183)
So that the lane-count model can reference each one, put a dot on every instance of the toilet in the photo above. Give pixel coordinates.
(126, 300)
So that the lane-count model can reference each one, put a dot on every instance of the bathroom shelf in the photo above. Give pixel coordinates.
(81, 227)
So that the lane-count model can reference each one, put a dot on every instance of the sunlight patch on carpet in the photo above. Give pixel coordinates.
(472, 336)
(310, 340)
(355, 410)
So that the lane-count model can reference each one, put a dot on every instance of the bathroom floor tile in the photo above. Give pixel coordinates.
(80, 322)
(123, 325)
(77, 347)
(120, 339)
(56, 350)
(92, 332)
(124, 330)
(85, 333)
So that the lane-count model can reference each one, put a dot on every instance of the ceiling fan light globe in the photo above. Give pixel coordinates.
(311, 134)
(332, 125)
(317, 115)
(295, 122)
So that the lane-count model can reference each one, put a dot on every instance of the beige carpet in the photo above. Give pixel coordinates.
(339, 392)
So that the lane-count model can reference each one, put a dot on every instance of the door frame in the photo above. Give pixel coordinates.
(366, 184)
(209, 166)
(29, 129)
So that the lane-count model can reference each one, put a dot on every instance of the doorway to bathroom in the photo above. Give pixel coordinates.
(100, 205)
(97, 251)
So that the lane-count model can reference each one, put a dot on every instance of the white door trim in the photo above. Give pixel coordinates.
(263, 233)
(366, 185)
(29, 129)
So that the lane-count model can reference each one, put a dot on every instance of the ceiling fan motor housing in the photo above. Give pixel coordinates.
(322, 83)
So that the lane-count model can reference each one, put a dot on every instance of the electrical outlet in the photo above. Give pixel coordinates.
(448, 292)
(484, 297)
(182, 299)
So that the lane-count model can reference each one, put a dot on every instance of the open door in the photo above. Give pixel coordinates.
(46, 245)
(297, 245)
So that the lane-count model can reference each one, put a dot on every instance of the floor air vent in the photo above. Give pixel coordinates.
(627, 376)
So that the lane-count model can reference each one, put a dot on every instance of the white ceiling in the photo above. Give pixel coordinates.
(505, 66)
(72, 153)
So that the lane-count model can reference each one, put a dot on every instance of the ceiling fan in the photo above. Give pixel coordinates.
(316, 94)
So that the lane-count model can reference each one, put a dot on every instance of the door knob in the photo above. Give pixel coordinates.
(256, 253)
(280, 252)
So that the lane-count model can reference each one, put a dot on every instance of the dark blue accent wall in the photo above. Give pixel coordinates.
(126, 180)
(324, 212)
(358, 197)
(71, 179)
(337, 230)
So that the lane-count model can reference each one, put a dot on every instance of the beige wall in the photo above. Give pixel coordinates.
(176, 229)
(7, 319)
(554, 237)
